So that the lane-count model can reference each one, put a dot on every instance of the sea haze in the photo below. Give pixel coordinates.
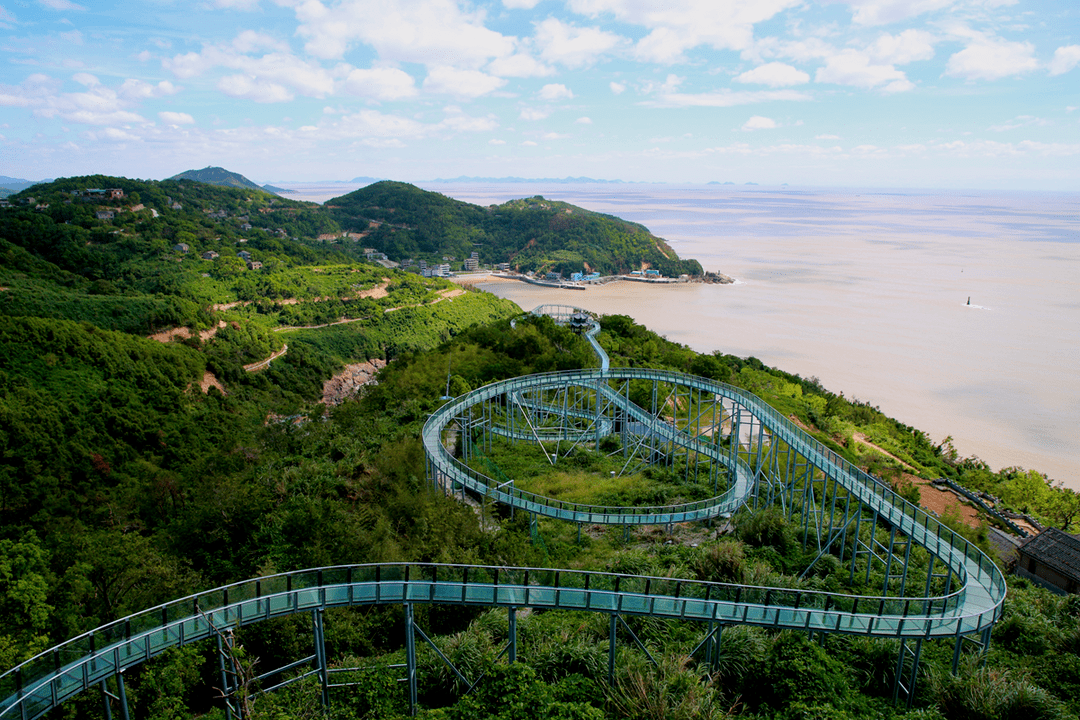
(868, 291)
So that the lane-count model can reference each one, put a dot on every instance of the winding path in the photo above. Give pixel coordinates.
(970, 605)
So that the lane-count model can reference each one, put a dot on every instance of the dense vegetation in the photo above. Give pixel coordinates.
(531, 234)
(122, 484)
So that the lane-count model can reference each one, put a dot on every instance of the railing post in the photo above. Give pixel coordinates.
(613, 630)
(512, 632)
(121, 692)
(410, 655)
(319, 640)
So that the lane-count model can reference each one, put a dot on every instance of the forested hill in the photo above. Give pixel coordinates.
(536, 234)
(226, 178)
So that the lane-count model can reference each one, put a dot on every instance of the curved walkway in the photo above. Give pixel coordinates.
(40, 684)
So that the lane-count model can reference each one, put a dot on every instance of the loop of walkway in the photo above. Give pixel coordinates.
(43, 682)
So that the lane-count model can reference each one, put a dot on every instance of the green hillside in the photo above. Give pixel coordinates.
(135, 470)
(221, 176)
(535, 234)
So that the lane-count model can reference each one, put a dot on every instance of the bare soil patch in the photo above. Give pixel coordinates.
(348, 382)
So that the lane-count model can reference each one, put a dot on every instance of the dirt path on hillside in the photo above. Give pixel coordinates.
(184, 333)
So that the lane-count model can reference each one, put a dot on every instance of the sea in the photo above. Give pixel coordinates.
(955, 312)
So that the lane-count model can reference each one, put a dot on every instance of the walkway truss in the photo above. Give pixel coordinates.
(738, 449)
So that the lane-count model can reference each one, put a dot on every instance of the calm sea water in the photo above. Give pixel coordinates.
(868, 290)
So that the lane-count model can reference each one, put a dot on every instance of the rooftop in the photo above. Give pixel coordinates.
(1058, 550)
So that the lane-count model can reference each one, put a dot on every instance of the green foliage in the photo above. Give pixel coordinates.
(992, 694)
(532, 234)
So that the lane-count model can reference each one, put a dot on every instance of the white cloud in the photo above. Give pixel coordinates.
(907, 47)
(458, 121)
(759, 122)
(882, 12)
(533, 114)
(519, 65)
(493, 141)
(529, 143)
(583, 121)
(989, 148)
(464, 84)
(617, 88)
(852, 67)
(237, 4)
(74, 37)
(989, 58)
(826, 137)
(521, 4)
(133, 89)
(725, 98)
(274, 77)
(6, 17)
(1019, 122)
(60, 5)
(555, 92)
(554, 136)
(431, 32)
(677, 26)
(1065, 59)
(800, 50)
(249, 41)
(380, 83)
(176, 118)
(573, 46)
(254, 89)
(96, 105)
(144, 56)
(774, 74)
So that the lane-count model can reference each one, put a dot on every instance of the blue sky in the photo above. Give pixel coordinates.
(887, 93)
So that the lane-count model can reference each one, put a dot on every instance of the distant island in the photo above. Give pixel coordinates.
(520, 180)
(225, 178)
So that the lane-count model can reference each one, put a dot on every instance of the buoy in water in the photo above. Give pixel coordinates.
(969, 299)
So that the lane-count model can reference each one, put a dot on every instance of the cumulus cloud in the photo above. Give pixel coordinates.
(276, 76)
(1065, 59)
(988, 58)
(724, 98)
(431, 32)
(853, 67)
(677, 26)
(826, 137)
(380, 83)
(60, 5)
(237, 4)
(97, 105)
(759, 122)
(495, 141)
(533, 114)
(464, 84)
(520, 4)
(521, 65)
(255, 89)
(176, 118)
(529, 143)
(907, 47)
(573, 46)
(555, 92)
(882, 12)
(617, 88)
(774, 74)
(583, 121)
(133, 89)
